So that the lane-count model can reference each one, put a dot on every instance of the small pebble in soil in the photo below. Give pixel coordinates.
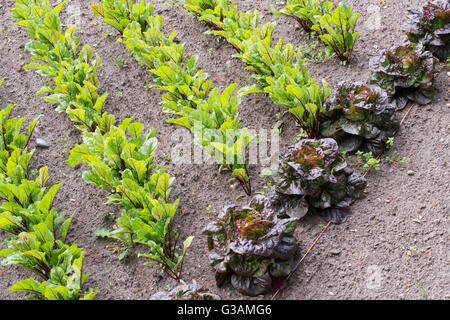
(335, 252)
(410, 172)
(41, 143)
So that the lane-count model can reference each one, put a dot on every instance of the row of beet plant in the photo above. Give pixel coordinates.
(211, 116)
(334, 25)
(313, 176)
(120, 157)
(357, 116)
(36, 231)
(279, 70)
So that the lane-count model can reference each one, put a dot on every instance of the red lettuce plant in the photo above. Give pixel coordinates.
(313, 176)
(406, 72)
(252, 246)
(359, 116)
(431, 26)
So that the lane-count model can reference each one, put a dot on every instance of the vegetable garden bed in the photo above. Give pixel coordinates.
(393, 245)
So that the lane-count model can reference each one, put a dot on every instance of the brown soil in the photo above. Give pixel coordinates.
(395, 244)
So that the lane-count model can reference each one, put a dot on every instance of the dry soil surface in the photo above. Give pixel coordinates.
(394, 245)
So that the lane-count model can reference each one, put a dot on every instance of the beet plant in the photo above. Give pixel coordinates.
(73, 70)
(251, 246)
(359, 117)
(313, 176)
(431, 26)
(305, 12)
(121, 162)
(406, 72)
(335, 26)
(293, 89)
(337, 31)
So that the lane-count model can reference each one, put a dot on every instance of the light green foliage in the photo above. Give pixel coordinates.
(121, 162)
(395, 158)
(299, 93)
(123, 152)
(367, 160)
(120, 158)
(56, 262)
(73, 70)
(336, 30)
(306, 12)
(212, 116)
(334, 25)
(389, 143)
(279, 69)
(14, 163)
(37, 240)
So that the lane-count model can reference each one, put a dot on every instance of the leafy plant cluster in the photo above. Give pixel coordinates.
(334, 25)
(120, 157)
(211, 115)
(314, 176)
(36, 231)
(431, 26)
(251, 246)
(359, 117)
(356, 115)
(279, 69)
(406, 70)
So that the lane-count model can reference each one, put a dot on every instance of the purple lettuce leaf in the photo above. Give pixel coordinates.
(245, 242)
(251, 286)
(319, 194)
(431, 26)
(357, 113)
(403, 68)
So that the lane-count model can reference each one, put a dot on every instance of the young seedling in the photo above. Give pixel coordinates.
(397, 159)
(367, 161)
(311, 52)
